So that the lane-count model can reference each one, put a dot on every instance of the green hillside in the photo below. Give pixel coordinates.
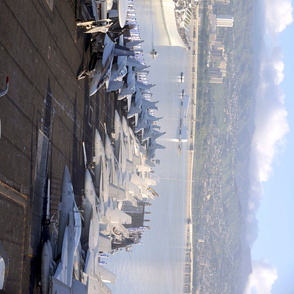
(224, 129)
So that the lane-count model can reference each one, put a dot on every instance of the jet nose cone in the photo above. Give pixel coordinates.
(94, 85)
(116, 115)
(87, 176)
(93, 89)
(66, 174)
(97, 137)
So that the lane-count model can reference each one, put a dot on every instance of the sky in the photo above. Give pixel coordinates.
(272, 166)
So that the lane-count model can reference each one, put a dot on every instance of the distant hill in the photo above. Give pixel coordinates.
(224, 130)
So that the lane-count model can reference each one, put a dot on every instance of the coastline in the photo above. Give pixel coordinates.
(191, 151)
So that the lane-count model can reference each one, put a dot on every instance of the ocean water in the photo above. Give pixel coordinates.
(156, 266)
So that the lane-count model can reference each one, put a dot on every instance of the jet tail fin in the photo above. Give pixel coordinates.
(135, 43)
(120, 50)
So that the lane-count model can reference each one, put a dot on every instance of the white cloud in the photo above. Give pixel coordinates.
(271, 127)
(278, 15)
(271, 124)
(271, 116)
(262, 278)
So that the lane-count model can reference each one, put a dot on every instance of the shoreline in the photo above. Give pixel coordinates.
(188, 287)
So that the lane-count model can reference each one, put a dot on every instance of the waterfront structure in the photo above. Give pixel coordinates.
(216, 80)
(219, 3)
(225, 21)
(163, 15)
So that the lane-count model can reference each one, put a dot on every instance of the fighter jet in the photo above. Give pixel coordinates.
(119, 146)
(47, 263)
(93, 26)
(119, 70)
(110, 192)
(129, 89)
(151, 133)
(99, 24)
(102, 73)
(127, 139)
(114, 188)
(47, 266)
(66, 205)
(126, 165)
(90, 212)
(152, 146)
(71, 239)
(99, 160)
(69, 232)
(145, 120)
(139, 105)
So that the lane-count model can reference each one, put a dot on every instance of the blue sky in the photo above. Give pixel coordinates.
(272, 252)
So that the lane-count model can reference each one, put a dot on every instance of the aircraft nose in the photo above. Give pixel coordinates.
(94, 84)
(93, 88)
(66, 175)
(87, 176)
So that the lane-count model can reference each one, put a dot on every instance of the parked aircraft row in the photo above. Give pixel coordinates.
(66, 267)
(122, 173)
(117, 62)
(121, 170)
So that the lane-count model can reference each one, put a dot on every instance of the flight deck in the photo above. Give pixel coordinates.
(45, 116)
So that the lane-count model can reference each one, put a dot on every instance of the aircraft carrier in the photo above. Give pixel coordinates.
(45, 116)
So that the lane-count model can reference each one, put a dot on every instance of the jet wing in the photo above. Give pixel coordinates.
(114, 86)
(118, 217)
(105, 275)
(125, 92)
(134, 43)
(104, 243)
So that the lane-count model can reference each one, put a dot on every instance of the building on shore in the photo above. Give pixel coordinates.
(224, 21)
(166, 34)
